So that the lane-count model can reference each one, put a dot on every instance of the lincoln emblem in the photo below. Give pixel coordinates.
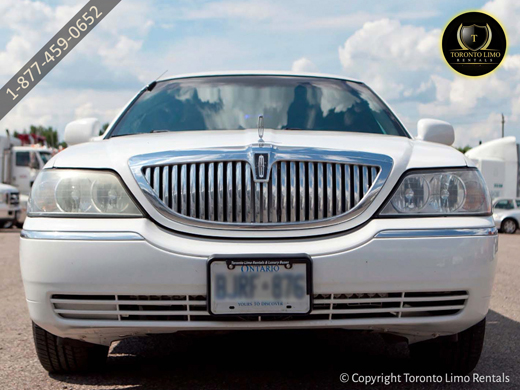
(261, 167)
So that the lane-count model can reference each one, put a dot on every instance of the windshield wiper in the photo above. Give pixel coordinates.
(160, 131)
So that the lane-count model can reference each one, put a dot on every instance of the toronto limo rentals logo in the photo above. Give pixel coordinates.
(474, 44)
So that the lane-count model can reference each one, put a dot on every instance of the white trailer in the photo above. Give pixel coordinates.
(499, 163)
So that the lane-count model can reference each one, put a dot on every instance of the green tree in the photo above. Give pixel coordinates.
(50, 134)
(103, 128)
(464, 149)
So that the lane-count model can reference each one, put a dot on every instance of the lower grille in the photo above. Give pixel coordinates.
(193, 308)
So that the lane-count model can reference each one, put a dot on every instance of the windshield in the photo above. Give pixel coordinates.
(235, 102)
(45, 156)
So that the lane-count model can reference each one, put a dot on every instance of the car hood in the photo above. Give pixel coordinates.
(114, 153)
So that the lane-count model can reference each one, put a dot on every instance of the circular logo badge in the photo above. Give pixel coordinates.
(474, 44)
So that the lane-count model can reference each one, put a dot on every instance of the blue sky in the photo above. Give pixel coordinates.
(391, 45)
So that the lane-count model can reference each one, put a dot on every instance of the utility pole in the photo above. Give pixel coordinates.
(503, 121)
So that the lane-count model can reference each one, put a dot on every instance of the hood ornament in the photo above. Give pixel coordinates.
(261, 129)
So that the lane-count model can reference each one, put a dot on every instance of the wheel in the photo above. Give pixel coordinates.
(60, 356)
(456, 355)
(509, 226)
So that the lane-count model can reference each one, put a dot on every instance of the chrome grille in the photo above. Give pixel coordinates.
(193, 308)
(296, 191)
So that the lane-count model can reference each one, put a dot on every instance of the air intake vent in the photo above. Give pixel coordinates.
(296, 191)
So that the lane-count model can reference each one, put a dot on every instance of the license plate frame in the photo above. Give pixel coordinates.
(293, 259)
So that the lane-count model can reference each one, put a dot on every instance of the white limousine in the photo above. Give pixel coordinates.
(258, 201)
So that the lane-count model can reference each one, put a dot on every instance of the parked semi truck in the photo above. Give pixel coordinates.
(19, 166)
(499, 163)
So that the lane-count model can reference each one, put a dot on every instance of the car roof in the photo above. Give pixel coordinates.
(260, 73)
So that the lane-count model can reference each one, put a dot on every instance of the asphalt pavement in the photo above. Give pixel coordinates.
(257, 359)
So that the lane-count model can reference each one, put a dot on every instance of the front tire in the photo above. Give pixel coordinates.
(509, 226)
(446, 355)
(59, 357)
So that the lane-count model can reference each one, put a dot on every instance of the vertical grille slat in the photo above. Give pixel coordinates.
(175, 188)
(166, 186)
(249, 194)
(211, 192)
(365, 181)
(220, 192)
(312, 189)
(348, 190)
(193, 190)
(292, 181)
(184, 190)
(339, 190)
(283, 192)
(302, 191)
(356, 187)
(297, 191)
(156, 180)
(321, 191)
(238, 202)
(229, 192)
(202, 191)
(373, 175)
(330, 192)
(274, 193)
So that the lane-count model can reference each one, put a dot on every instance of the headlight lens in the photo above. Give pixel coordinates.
(461, 191)
(71, 192)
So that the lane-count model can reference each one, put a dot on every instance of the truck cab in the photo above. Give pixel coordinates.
(27, 161)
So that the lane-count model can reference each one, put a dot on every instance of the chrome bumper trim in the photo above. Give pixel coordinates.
(418, 233)
(81, 236)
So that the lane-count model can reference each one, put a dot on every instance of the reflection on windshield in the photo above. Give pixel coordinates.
(235, 102)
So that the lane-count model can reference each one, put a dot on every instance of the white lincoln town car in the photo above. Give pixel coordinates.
(258, 201)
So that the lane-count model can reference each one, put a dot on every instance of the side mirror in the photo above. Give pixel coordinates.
(82, 130)
(434, 130)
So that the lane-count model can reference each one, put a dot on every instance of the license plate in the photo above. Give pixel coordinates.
(259, 285)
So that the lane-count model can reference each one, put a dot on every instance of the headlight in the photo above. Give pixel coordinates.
(447, 192)
(69, 192)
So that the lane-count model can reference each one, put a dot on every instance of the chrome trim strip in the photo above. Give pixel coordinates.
(265, 202)
(258, 197)
(348, 190)
(417, 233)
(81, 236)
(277, 154)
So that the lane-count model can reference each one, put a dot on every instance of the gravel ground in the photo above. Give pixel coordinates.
(272, 359)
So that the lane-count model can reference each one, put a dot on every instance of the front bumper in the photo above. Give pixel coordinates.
(409, 260)
(9, 213)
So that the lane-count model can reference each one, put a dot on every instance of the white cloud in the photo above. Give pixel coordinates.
(506, 11)
(304, 65)
(394, 57)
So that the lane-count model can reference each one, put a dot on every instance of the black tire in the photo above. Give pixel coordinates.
(456, 355)
(61, 356)
(509, 226)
